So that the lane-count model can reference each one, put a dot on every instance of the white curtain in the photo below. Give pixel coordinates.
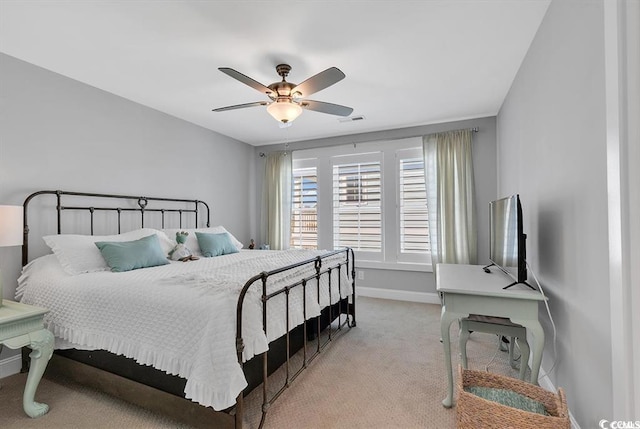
(276, 200)
(450, 197)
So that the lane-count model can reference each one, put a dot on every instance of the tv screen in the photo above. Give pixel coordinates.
(507, 241)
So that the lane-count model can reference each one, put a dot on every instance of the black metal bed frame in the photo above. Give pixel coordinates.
(142, 203)
(343, 305)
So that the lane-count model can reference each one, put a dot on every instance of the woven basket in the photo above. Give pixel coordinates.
(474, 412)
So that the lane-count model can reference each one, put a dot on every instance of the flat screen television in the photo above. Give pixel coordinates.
(507, 241)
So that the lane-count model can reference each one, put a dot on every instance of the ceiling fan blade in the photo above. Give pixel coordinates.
(319, 82)
(246, 80)
(241, 106)
(330, 108)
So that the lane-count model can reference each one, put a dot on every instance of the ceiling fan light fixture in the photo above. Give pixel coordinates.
(284, 111)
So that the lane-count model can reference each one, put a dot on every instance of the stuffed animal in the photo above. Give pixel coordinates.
(181, 252)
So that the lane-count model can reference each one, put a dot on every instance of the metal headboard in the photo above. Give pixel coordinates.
(140, 205)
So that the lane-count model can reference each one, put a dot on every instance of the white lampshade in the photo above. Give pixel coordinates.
(11, 229)
(284, 111)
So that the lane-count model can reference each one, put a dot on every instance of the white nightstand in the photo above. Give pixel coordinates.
(21, 325)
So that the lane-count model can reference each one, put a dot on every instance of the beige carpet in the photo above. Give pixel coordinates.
(388, 372)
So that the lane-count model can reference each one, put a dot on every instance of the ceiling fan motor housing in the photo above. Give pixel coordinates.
(283, 88)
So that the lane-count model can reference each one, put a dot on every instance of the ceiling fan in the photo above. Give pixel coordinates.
(287, 98)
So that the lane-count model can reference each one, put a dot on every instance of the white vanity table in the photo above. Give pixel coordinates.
(21, 325)
(467, 289)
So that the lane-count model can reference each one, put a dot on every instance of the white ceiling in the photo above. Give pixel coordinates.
(407, 63)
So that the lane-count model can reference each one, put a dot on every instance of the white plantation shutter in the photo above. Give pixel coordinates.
(357, 205)
(368, 196)
(414, 220)
(304, 208)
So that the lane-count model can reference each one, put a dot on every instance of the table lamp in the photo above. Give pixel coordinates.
(11, 230)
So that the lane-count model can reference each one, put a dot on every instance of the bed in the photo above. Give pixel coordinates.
(208, 330)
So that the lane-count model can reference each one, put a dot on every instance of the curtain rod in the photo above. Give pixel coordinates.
(474, 130)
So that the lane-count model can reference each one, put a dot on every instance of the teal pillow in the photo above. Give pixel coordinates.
(215, 244)
(131, 255)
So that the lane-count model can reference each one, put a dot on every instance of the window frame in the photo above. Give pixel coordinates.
(303, 164)
(408, 257)
(360, 158)
(324, 158)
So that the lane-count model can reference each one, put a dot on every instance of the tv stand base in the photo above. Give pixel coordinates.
(488, 271)
(517, 283)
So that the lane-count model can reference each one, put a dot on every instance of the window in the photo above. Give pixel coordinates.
(357, 210)
(370, 197)
(413, 217)
(304, 208)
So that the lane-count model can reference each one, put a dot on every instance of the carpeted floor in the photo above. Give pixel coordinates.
(388, 372)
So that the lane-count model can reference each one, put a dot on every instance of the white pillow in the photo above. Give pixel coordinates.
(192, 241)
(78, 253)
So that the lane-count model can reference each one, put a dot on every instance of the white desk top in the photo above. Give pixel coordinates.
(12, 311)
(472, 280)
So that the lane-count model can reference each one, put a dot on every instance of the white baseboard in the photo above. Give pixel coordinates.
(398, 295)
(10, 366)
(546, 383)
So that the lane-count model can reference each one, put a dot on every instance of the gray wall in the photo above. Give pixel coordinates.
(552, 150)
(484, 162)
(57, 133)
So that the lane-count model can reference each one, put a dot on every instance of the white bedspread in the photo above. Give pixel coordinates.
(179, 318)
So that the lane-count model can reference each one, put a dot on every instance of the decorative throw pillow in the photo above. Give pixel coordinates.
(215, 244)
(130, 255)
(192, 241)
(78, 254)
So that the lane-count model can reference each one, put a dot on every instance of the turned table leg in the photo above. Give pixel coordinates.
(41, 343)
(445, 322)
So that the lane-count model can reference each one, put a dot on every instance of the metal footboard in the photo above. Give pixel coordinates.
(321, 267)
